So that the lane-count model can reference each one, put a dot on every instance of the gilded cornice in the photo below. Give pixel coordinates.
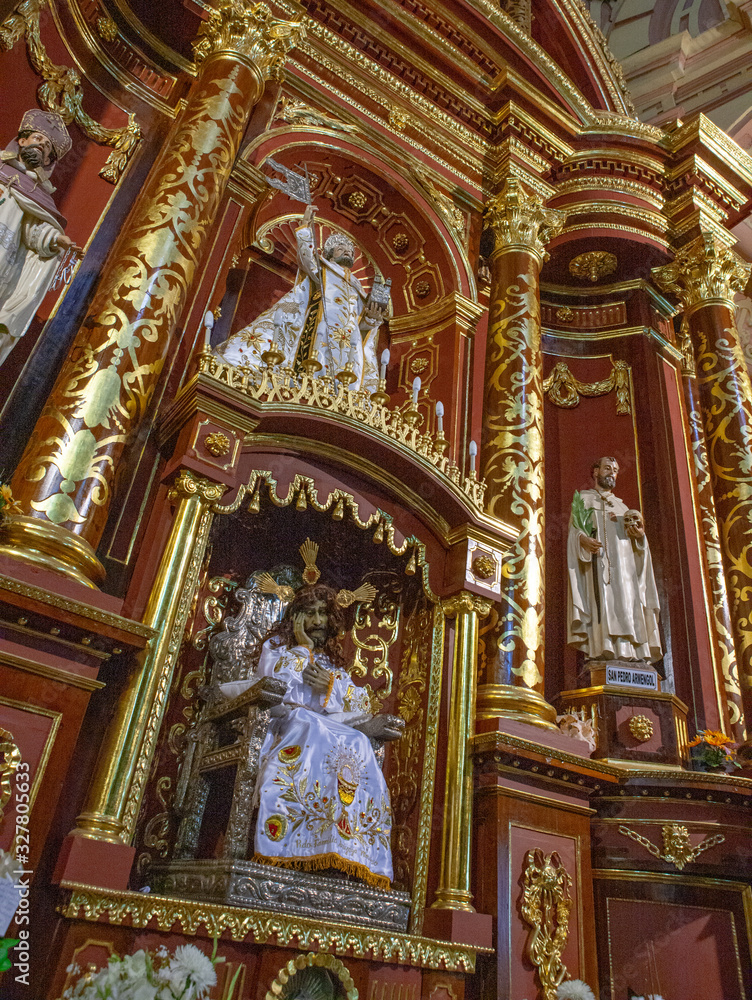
(172, 59)
(78, 608)
(610, 70)
(590, 183)
(693, 167)
(124, 60)
(715, 140)
(137, 909)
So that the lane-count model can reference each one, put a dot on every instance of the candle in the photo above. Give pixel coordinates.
(440, 417)
(416, 390)
(384, 362)
(208, 327)
(473, 449)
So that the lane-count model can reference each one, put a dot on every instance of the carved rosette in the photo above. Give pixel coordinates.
(518, 219)
(250, 31)
(104, 389)
(704, 276)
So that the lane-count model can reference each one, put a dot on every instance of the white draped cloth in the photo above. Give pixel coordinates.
(322, 317)
(322, 798)
(613, 604)
(28, 261)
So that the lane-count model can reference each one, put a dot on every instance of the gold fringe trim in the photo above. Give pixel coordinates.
(322, 861)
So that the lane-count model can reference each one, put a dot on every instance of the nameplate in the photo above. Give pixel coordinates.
(636, 677)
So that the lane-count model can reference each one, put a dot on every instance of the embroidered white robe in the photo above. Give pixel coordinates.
(323, 801)
(28, 261)
(321, 317)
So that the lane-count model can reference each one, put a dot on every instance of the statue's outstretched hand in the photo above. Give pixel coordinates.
(308, 215)
(382, 727)
(374, 312)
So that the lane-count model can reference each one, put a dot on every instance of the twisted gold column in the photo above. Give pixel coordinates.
(64, 479)
(704, 275)
(125, 757)
(512, 448)
(454, 882)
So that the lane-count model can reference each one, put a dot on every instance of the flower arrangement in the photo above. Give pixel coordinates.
(574, 989)
(186, 975)
(7, 504)
(711, 749)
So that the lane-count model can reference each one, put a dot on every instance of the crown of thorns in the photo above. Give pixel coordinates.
(309, 551)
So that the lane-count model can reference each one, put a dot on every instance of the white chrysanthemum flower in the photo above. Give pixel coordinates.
(191, 965)
(574, 989)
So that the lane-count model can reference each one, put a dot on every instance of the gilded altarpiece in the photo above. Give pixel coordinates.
(395, 646)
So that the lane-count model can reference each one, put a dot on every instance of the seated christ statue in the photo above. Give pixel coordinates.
(325, 323)
(322, 799)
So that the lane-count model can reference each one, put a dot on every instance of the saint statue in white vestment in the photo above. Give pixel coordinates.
(613, 605)
(326, 324)
(322, 799)
(32, 233)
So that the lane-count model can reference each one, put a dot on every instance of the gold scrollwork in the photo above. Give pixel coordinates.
(677, 848)
(188, 485)
(373, 637)
(61, 90)
(546, 902)
(248, 30)
(10, 758)
(564, 389)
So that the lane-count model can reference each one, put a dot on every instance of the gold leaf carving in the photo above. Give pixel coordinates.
(545, 906)
(563, 389)
(518, 219)
(593, 265)
(704, 269)
(248, 30)
(677, 847)
(10, 758)
(61, 90)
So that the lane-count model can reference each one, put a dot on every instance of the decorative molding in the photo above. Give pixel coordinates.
(61, 90)
(677, 848)
(138, 909)
(279, 385)
(545, 905)
(563, 389)
(106, 618)
(593, 265)
(11, 758)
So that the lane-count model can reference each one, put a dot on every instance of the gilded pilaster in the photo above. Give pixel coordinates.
(512, 441)
(454, 882)
(118, 784)
(103, 392)
(704, 275)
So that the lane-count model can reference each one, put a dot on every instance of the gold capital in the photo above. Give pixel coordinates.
(518, 219)
(464, 603)
(248, 30)
(704, 269)
(187, 485)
